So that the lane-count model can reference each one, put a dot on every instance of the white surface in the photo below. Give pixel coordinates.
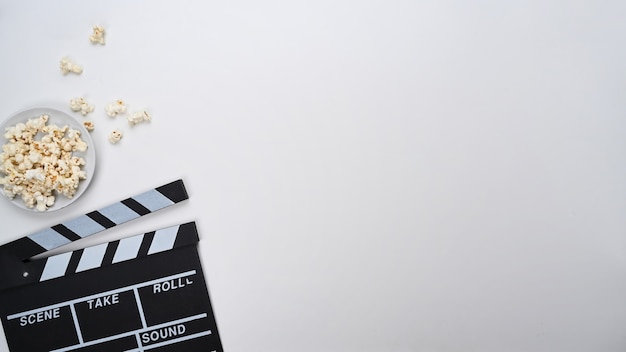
(366, 175)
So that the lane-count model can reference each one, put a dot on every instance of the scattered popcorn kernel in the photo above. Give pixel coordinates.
(37, 170)
(79, 104)
(138, 117)
(115, 108)
(68, 66)
(97, 36)
(115, 136)
(88, 125)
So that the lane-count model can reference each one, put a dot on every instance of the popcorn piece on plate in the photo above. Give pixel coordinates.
(138, 117)
(115, 108)
(97, 36)
(115, 136)
(79, 104)
(68, 66)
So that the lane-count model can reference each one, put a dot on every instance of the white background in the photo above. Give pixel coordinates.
(366, 175)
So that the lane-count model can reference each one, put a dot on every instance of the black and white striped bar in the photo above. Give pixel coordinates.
(106, 254)
(96, 221)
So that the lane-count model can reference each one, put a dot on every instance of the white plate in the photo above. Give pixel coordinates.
(60, 119)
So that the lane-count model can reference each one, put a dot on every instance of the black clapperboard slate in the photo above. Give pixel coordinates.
(140, 293)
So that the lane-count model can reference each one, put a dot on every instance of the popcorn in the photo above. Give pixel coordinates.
(138, 117)
(115, 108)
(115, 136)
(39, 170)
(68, 66)
(79, 104)
(97, 37)
(36, 175)
(89, 126)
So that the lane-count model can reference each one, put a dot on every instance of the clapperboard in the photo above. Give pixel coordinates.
(140, 293)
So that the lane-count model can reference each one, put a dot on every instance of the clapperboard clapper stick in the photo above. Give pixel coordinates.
(141, 293)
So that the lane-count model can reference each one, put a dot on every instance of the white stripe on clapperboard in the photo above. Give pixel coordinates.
(55, 266)
(153, 200)
(91, 257)
(144, 328)
(127, 249)
(83, 226)
(118, 213)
